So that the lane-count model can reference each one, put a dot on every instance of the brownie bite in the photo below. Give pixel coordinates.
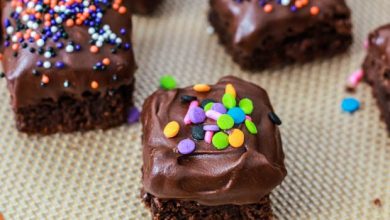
(69, 65)
(144, 6)
(376, 69)
(211, 152)
(260, 34)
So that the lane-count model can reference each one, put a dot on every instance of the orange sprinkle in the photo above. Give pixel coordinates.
(268, 8)
(45, 79)
(122, 10)
(79, 21)
(69, 22)
(115, 6)
(1, 56)
(46, 1)
(94, 85)
(38, 15)
(94, 49)
(92, 7)
(106, 61)
(314, 10)
(15, 46)
(18, 34)
(47, 23)
(304, 2)
(298, 4)
(118, 2)
(47, 17)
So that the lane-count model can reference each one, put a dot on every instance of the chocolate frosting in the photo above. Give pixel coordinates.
(25, 87)
(253, 28)
(209, 176)
(143, 6)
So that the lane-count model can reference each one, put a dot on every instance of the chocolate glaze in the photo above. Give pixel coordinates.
(253, 28)
(144, 6)
(209, 176)
(25, 88)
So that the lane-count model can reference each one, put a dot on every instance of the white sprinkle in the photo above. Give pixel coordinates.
(112, 36)
(30, 4)
(62, 8)
(56, 8)
(101, 38)
(99, 15)
(47, 64)
(33, 34)
(91, 30)
(47, 54)
(40, 43)
(38, 7)
(285, 2)
(210, 30)
(95, 36)
(19, 9)
(35, 26)
(25, 18)
(59, 20)
(10, 30)
(99, 43)
(14, 38)
(54, 29)
(106, 27)
(118, 40)
(69, 48)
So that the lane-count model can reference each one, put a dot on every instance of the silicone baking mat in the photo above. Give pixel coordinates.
(338, 163)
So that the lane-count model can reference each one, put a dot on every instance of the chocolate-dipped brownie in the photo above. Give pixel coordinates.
(144, 6)
(211, 152)
(260, 34)
(376, 69)
(69, 64)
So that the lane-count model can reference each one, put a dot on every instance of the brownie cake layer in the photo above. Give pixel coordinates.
(202, 173)
(144, 6)
(257, 38)
(164, 209)
(62, 65)
(376, 68)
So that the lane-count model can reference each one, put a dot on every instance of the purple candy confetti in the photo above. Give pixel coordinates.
(211, 128)
(186, 146)
(219, 107)
(133, 115)
(197, 115)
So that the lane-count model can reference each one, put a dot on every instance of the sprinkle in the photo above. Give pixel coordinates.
(186, 146)
(354, 79)
(229, 101)
(187, 98)
(350, 105)
(314, 10)
(237, 114)
(171, 129)
(46, 64)
(106, 61)
(231, 90)
(219, 107)
(197, 132)
(133, 115)
(167, 82)
(197, 115)
(236, 138)
(202, 88)
(251, 127)
(69, 48)
(208, 137)
(210, 128)
(122, 10)
(66, 84)
(213, 114)
(274, 118)
(60, 64)
(45, 79)
(246, 105)
(247, 117)
(220, 141)
(268, 8)
(94, 85)
(187, 119)
(225, 122)
(94, 49)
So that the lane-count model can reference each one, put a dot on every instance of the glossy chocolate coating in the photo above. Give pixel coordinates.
(209, 176)
(26, 89)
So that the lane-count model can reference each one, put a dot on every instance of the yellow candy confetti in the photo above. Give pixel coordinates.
(231, 90)
(171, 129)
(236, 138)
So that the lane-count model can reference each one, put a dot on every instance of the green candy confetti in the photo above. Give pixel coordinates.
(251, 127)
(246, 105)
(208, 106)
(225, 122)
(229, 101)
(167, 82)
(220, 141)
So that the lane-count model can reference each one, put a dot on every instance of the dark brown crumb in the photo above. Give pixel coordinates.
(377, 202)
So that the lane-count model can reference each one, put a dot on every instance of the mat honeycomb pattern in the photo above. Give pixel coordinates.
(338, 163)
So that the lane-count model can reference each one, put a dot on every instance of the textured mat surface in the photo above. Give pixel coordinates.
(338, 163)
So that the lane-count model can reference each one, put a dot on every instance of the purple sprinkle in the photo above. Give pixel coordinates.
(7, 43)
(211, 128)
(39, 63)
(133, 115)
(60, 45)
(197, 115)
(123, 31)
(219, 107)
(186, 146)
(77, 47)
(60, 64)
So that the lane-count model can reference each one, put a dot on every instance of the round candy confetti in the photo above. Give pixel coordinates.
(208, 106)
(219, 107)
(186, 146)
(171, 129)
(230, 90)
(274, 118)
(237, 114)
(198, 132)
(225, 122)
(236, 138)
(167, 82)
(197, 115)
(350, 105)
(246, 105)
(220, 141)
(202, 88)
(251, 127)
(211, 128)
(229, 101)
